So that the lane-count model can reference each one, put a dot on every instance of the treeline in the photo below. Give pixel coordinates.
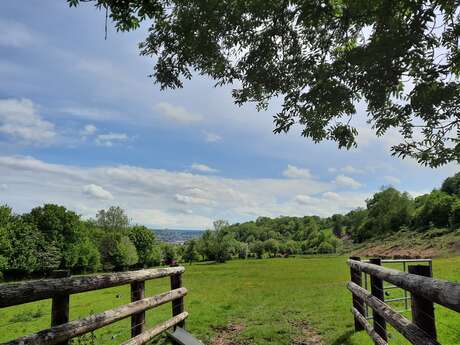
(262, 238)
(390, 211)
(51, 237)
(387, 211)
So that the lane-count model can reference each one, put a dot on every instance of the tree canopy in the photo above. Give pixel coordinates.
(322, 58)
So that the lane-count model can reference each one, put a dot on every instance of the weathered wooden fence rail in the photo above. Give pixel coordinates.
(59, 289)
(425, 291)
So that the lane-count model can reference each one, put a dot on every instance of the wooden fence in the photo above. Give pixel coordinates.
(59, 290)
(425, 291)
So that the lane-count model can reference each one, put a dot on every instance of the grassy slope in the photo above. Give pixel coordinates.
(264, 295)
(430, 243)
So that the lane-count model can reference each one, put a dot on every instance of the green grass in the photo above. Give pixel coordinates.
(268, 296)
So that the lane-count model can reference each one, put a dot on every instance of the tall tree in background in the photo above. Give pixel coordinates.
(399, 59)
(5, 243)
(451, 185)
(191, 252)
(148, 249)
(59, 228)
(112, 218)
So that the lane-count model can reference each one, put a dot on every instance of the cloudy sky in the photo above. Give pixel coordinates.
(82, 125)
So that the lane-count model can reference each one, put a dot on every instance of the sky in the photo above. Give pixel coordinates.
(82, 125)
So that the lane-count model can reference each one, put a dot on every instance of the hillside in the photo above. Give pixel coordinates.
(393, 223)
(409, 244)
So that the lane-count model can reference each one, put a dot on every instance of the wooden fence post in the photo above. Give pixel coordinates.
(423, 309)
(377, 291)
(60, 304)
(177, 304)
(358, 304)
(137, 320)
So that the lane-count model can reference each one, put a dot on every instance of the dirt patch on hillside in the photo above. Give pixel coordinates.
(228, 335)
(398, 252)
(307, 334)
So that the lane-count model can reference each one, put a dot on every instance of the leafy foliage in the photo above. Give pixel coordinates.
(191, 251)
(51, 237)
(388, 210)
(113, 218)
(146, 246)
(321, 58)
(31, 242)
(267, 237)
(452, 185)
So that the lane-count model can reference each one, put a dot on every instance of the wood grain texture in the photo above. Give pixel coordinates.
(423, 309)
(355, 276)
(409, 330)
(153, 332)
(177, 306)
(60, 333)
(137, 320)
(439, 291)
(35, 290)
(368, 327)
(378, 292)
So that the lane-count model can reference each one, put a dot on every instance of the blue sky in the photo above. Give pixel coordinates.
(82, 125)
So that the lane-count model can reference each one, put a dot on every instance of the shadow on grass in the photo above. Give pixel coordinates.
(344, 339)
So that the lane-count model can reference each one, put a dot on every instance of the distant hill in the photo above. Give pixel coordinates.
(177, 236)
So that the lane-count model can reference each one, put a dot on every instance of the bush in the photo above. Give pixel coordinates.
(83, 257)
(146, 245)
(326, 248)
(434, 209)
(451, 185)
(388, 211)
(125, 254)
(169, 254)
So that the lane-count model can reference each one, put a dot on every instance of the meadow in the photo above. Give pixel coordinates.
(268, 301)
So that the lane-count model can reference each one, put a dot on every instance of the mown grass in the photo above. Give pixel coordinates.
(269, 297)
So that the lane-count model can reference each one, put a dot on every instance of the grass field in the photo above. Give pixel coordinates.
(276, 300)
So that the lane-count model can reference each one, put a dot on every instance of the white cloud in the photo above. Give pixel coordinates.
(97, 192)
(348, 169)
(14, 34)
(352, 170)
(345, 181)
(177, 113)
(304, 199)
(30, 164)
(332, 196)
(296, 173)
(3, 186)
(392, 179)
(110, 139)
(167, 219)
(187, 199)
(211, 137)
(162, 198)
(19, 119)
(95, 114)
(88, 130)
(203, 168)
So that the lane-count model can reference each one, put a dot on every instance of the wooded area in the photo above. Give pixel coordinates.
(388, 211)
